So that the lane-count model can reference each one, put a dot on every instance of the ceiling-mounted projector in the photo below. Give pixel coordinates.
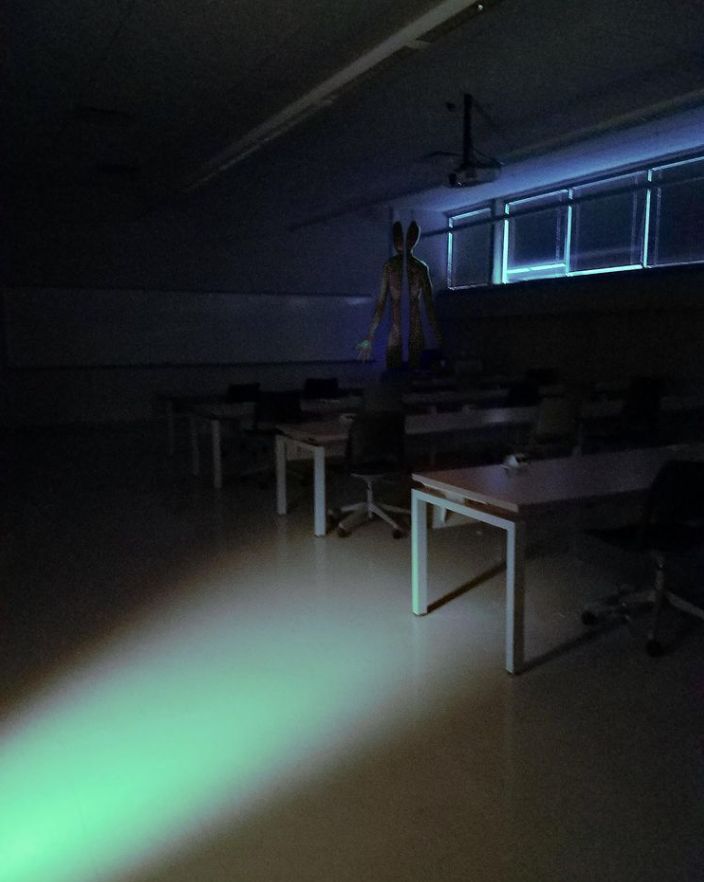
(470, 175)
(475, 167)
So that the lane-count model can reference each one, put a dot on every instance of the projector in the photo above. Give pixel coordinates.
(471, 175)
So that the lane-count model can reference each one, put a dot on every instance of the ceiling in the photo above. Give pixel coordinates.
(115, 110)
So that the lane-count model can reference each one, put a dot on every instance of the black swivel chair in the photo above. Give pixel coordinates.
(640, 417)
(523, 393)
(375, 452)
(672, 526)
(556, 429)
(321, 387)
(271, 409)
(638, 424)
(242, 392)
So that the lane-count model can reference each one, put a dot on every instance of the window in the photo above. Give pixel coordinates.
(677, 213)
(648, 217)
(535, 234)
(607, 224)
(470, 249)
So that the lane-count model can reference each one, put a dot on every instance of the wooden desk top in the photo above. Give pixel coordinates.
(331, 430)
(224, 410)
(553, 483)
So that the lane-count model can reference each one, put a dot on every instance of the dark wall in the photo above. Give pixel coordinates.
(589, 327)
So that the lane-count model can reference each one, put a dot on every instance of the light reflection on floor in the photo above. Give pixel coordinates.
(198, 689)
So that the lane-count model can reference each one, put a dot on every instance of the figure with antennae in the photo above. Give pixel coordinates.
(419, 288)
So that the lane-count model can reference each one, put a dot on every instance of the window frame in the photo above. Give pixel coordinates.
(500, 211)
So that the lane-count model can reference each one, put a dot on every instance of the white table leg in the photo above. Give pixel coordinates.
(280, 446)
(195, 450)
(419, 554)
(216, 440)
(515, 595)
(319, 505)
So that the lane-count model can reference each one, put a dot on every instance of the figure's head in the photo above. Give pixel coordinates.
(412, 236)
(397, 232)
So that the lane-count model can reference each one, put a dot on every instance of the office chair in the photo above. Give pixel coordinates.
(242, 392)
(522, 393)
(382, 398)
(543, 376)
(672, 525)
(556, 430)
(640, 417)
(638, 424)
(321, 387)
(374, 452)
(271, 409)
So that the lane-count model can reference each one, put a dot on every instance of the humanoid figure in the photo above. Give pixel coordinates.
(419, 286)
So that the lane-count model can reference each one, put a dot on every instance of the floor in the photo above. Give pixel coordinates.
(197, 690)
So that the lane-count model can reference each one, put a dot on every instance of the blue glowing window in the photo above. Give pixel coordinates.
(608, 222)
(470, 249)
(647, 217)
(535, 245)
(677, 214)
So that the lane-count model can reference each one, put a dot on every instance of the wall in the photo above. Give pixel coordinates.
(665, 136)
(104, 355)
(590, 327)
(101, 319)
(164, 260)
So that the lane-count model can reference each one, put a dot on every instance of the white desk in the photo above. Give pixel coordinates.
(180, 405)
(316, 438)
(216, 413)
(507, 499)
(432, 399)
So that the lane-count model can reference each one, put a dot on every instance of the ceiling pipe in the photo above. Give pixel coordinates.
(414, 36)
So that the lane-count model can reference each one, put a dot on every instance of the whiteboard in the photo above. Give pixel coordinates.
(52, 327)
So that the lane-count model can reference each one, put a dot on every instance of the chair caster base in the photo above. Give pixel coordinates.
(399, 534)
(342, 533)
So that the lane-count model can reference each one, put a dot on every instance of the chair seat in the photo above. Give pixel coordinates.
(669, 538)
(374, 452)
(672, 523)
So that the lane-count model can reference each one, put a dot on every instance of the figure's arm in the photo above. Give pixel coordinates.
(430, 307)
(365, 347)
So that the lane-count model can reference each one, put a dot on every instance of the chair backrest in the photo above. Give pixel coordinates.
(382, 397)
(376, 437)
(543, 376)
(641, 407)
(557, 420)
(237, 392)
(321, 387)
(280, 406)
(523, 393)
(677, 494)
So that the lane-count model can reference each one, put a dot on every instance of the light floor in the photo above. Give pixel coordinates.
(197, 690)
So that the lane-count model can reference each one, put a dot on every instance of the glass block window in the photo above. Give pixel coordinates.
(470, 249)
